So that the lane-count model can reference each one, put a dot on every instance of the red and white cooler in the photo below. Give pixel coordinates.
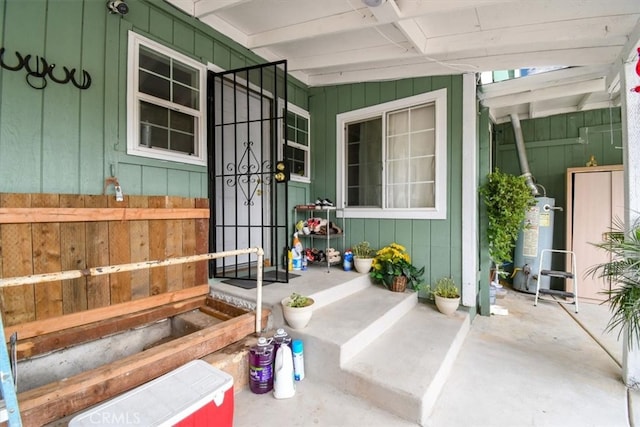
(194, 395)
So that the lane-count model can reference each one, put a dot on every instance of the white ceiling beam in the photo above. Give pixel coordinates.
(413, 32)
(344, 22)
(599, 105)
(422, 66)
(542, 80)
(225, 28)
(525, 13)
(581, 33)
(414, 9)
(442, 64)
(186, 5)
(583, 101)
(204, 8)
(504, 114)
(626, 53)
(553, 111)
(616, 100)
(594, 85)
(388, 12)
(377, 73)
(492, 117)
(352, 57)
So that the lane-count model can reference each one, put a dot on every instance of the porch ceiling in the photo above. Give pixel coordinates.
(329, 42)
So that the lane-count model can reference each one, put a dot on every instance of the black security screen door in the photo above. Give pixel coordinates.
(248, 206)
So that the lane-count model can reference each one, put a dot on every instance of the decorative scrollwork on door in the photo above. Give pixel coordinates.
(249, 174)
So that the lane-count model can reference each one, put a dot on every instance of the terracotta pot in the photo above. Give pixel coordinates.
(447, 306)
(399, 284)
(297, 317)
(363, 265)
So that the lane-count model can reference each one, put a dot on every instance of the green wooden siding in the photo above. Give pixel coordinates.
(65, 140)
(556, 143)
(433, 243)
(484, 167)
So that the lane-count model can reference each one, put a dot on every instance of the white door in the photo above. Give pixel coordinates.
(243, 156)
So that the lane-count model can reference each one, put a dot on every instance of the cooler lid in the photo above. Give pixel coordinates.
(163, 401)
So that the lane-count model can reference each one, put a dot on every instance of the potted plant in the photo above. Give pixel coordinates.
(297, 310)
(507, 198)
(393, 268)
(447, 295)
(623, 271)
(363, 255)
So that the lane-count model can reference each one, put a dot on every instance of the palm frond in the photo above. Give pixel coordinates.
(623, 272)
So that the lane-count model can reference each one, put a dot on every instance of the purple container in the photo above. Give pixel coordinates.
(261, 366)
(279, 338)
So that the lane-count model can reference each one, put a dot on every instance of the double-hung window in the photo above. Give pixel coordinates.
(392, 159)
(166, 103)
(298, 148)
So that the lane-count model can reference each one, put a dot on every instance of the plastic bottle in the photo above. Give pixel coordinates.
(283, 382)
(279, 338)
(261, 366)
(285, 258)
(347, 259)
(297, 252)
(298, 360)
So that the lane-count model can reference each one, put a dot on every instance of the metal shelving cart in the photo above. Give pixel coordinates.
(331, 214)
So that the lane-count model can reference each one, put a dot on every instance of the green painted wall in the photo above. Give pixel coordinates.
(434, 243)
(65, 140)
(556, 143)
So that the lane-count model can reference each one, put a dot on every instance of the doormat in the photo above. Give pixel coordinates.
(268, 278)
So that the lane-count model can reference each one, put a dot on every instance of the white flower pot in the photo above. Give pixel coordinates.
(447, 306)
(297, 317)
(363, 265)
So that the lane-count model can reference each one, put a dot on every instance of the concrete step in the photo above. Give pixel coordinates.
(341, 330)
(405, 368)
(354, 283)
(325, 288)
(384, 347)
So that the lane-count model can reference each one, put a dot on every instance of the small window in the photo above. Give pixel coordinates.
(166, 103)
(392, 159)
(297, 148)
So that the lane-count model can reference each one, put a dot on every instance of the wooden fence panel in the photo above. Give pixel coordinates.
(46, 259)
(18, 304)
(173, 246)
(202, 243)
(157, 239)
(70, 232)
(188, 244)
(98, 289)
(73, 257)
(139, 245)
(119, 253)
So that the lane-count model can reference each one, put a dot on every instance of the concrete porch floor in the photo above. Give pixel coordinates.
(535, 366)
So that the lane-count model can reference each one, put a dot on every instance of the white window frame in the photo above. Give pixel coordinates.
(307, 148)
(439, 97)
(133, 98)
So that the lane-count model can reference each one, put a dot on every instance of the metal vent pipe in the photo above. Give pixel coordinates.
(522, 155)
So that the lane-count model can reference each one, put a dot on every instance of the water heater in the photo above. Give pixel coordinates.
(536, 235)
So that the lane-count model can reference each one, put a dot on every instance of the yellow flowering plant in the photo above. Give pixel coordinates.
(392, 261)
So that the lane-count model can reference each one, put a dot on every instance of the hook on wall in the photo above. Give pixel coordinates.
(112, 180)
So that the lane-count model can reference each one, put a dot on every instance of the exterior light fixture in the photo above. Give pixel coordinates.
(373, 3)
